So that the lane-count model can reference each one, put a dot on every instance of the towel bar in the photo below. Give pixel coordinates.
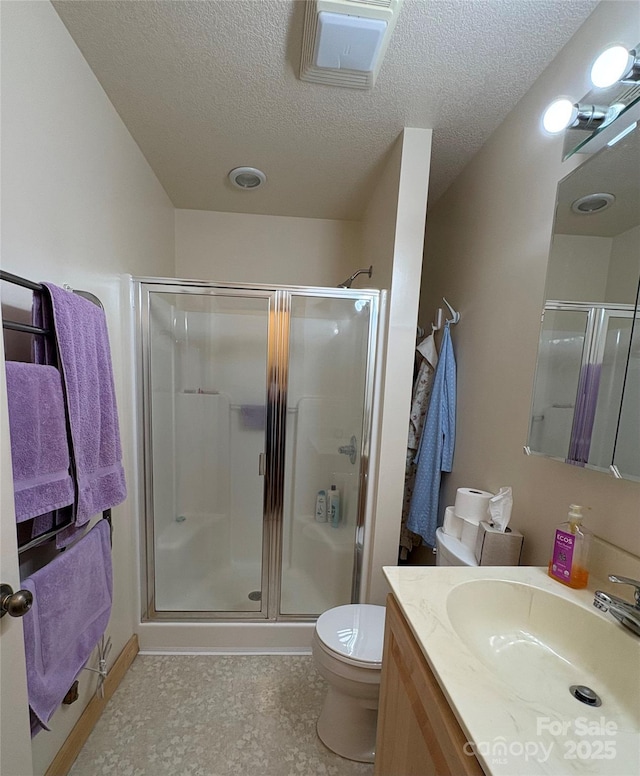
(26, 328)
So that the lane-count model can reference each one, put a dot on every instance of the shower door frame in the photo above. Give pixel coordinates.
(276, 396)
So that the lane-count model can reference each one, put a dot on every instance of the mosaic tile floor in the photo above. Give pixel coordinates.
(214, 715)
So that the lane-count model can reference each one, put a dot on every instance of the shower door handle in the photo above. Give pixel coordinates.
(262, 464)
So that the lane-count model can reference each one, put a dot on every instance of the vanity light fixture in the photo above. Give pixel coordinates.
(562, 114)
(558, 116)
(247, 178)
(616, 63)
(592, 203)
(622, 134)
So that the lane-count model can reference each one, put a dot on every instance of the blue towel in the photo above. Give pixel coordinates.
(71, 608)
(435, 454)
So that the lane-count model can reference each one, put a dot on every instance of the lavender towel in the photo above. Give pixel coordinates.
(85, 364)
(71, 608)
(253, 416)
(39, 448)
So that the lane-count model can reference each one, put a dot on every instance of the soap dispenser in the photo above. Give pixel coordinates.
(569, 562)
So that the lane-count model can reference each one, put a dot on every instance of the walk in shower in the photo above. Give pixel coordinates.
(253, 400)
(585, 359)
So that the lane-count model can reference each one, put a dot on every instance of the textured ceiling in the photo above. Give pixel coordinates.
(207, 86)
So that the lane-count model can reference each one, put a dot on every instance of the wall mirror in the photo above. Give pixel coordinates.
(586, 397)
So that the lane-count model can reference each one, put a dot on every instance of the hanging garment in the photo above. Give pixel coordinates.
(435, 454)
(428, 357)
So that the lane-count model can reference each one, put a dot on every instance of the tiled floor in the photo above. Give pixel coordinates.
(214, 715)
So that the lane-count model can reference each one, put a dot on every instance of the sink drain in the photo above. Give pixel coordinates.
(585, 695)
(255, 595)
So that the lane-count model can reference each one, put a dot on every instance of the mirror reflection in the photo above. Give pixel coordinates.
(586, 400)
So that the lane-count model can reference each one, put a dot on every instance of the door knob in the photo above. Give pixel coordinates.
(14, 604)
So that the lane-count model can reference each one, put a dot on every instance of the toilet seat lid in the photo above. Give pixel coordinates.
(355, 631)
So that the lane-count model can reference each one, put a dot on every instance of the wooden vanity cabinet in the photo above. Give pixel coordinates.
(418, 734)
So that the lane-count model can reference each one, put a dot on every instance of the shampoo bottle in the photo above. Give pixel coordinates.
(570, 557)
(334, 506)
(321, 507)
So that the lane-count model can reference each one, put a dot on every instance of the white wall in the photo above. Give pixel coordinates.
(578, 268)
(239, 248)
(393, 233)
(486, 249)
(379, 222)
(624, 267)
(594, 269)
(80, 206)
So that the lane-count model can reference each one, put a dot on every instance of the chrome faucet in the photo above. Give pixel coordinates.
(349, 450)
(625, 612)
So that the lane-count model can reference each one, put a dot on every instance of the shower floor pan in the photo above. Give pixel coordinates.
(195, 573)
(228, 590)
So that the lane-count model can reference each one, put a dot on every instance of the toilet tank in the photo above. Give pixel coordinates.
(452, 552)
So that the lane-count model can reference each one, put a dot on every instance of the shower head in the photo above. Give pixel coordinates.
(347, 283)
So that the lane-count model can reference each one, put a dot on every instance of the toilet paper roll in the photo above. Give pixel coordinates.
(452, 524)
(469, 533)
(472, 504)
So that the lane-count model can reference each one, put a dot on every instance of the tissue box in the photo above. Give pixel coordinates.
(494, 548)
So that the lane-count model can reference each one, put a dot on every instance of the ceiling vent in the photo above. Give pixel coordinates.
(344, 41)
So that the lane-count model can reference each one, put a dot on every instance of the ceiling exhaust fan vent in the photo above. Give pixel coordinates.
(344, 41)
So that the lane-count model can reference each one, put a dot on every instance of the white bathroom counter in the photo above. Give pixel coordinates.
(540, 729)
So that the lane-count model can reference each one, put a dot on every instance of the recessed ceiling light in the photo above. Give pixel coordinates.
(592, 203)
(247, 178)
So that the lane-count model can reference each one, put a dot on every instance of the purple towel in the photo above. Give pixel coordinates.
(71, 608)
(253, 416)
(52, 520)
(85, 364)
(39, 448)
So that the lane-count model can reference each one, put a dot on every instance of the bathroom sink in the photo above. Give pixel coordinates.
(506, 645)
(541, 644)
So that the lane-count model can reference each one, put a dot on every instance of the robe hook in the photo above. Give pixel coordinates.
(455, 315)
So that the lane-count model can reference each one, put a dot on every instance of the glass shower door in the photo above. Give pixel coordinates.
(614, 338)
(206, 383)
(254, 400)
(328, 397)
(561, 349)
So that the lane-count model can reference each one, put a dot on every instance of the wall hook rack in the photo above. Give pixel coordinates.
(438, 324)
(455, 315)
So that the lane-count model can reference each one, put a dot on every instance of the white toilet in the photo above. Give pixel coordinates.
(452, 552)
(347, 648)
